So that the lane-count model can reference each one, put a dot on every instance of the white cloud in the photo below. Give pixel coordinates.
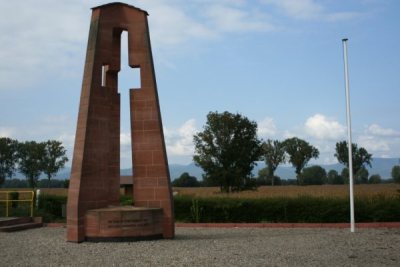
(68, 139)
(301, 9)
(55, 127)
(125, 150)
(226, 18)
(375, 129)
(125, 139)
(328, 159)
(188, 129)
(342, 16)
(321, 127)
(309, 10)
(289, 134)
(56, 119)
(174, 23)
(179, 142)
(7, 132)
(267, 128)
(43, 38)
(48, 38)
(170, 25)
(373, 144)
(381, 142)
(323, 133)
(49, 129)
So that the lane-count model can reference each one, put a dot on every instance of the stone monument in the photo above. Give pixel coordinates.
(93, 211)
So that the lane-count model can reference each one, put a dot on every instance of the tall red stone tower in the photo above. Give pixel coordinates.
(95, 173)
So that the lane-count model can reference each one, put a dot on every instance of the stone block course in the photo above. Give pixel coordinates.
(95, 166)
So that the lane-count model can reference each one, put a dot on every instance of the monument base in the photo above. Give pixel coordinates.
(123, 223)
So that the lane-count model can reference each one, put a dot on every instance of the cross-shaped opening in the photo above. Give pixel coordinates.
(128, 78)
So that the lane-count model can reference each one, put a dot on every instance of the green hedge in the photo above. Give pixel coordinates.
(291, 210)
(303, 209)
(15, 209)
(50, 207)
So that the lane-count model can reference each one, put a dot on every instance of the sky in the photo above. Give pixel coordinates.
(277, 62)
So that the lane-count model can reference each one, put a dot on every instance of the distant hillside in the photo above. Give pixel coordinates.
(176, 170)
(381, 166)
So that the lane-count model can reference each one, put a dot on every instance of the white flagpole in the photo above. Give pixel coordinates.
(349, 142)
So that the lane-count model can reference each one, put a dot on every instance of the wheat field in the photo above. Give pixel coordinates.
(364, 190)
(361, 190)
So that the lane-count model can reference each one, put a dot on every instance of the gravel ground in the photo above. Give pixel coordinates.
(209, 247)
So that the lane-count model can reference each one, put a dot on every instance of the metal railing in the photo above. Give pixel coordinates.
(22, 196)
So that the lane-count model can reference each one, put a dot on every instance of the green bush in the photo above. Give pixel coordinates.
(396, 173)
(15, 208)
(22, 209)
(314, 175)
(379, 208)
(14, 196)
(375, 179)
(303, 209)
(50, 207)
(125, 200)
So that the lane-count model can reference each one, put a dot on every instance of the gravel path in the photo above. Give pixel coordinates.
(209, 247)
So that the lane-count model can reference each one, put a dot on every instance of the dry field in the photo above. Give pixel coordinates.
(295, 191)
(47, 191)
(272, 191)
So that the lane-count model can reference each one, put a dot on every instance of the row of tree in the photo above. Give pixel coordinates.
(314, 175)
(41, 183)
(31, 159)
(298, 152)
(228, 148)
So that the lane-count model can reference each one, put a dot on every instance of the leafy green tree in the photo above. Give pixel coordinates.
(15, 183)
(31, 154)
(333, 177)
(53, 183)
(209, 181)
(375, 179)
(54, 158)
(273, 154)
(314, 175)
(262, 176)
(396, 173)
(8, 157)
(265, 179)
(300, 152)
(361, 176)
(345, 175)
(289, 182)
(227, 150)
(361, 157)
(186, 180)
